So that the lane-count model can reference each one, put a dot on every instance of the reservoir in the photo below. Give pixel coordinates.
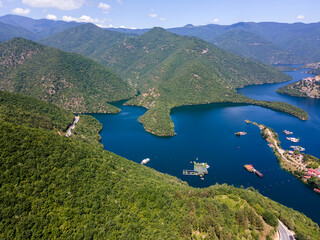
(207, 132)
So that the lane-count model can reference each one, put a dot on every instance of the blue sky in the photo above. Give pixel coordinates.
(165, 13)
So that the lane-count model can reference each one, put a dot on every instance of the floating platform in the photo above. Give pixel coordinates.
(250, 168)
(199, 169)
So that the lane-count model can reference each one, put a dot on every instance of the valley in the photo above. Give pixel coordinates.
(98, 122)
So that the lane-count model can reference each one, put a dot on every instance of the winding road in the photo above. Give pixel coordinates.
(285, 233)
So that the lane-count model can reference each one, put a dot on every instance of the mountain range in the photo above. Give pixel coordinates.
(282, 43)
(170, 70)
(299, 41)
(30, 28)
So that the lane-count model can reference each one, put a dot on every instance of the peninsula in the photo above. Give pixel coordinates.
(303, 166)
(169, 71)
(307, 87)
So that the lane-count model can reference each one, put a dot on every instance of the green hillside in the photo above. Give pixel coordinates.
(86, 39)
(171, 71)
(54, 187)
(66, 79)
(251, 46)
(302, 88)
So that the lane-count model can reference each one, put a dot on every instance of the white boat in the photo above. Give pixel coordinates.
(144, 161)
(292, 139)
(286, 132)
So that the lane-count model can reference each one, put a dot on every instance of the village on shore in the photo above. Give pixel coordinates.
(303, 166)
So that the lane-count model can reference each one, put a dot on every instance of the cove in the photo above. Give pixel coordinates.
(207, 132)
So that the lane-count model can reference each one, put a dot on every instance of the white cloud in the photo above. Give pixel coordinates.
(20, 11)
(105, 7)
(59, 4)
(162, 19)
(152, 14)
(0, 3)
(119, 1)
(83, 18)
(51, 17)
(111, 26)
(300, 17)
(215, 20)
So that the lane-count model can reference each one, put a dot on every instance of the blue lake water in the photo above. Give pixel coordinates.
(207, 132)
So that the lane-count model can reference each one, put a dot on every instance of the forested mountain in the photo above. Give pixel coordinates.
(251, 46)
(171, 70)
(296, 42)
(87, 39)
(66, 79)
(296, 39)
(55, 187)
(8, 31)
(36, 28)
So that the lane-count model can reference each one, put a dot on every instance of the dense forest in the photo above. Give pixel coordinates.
(86, 39)
(66, 79)
(53, 186)
(251, 46)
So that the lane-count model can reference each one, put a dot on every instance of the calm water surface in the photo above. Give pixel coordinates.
(207, 132)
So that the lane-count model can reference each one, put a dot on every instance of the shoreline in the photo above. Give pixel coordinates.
(291, 161)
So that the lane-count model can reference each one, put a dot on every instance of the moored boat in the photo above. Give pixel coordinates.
(316, 190)
(240, 133)
(301, 149)
(145, 161)
(259, 174)
(292, 139)
(286, 132)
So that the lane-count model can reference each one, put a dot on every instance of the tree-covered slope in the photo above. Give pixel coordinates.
(302, 88)
(251, 46)
(86, 39)
(54, 187)
(171, 71)
(68, 80)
